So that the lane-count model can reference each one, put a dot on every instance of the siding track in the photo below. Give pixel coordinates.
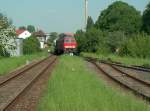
(125, 77)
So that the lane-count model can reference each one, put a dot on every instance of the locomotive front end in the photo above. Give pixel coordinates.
(70, 45)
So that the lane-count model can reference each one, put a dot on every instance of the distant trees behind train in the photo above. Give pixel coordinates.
(30, 28)
(119, 29)
(53, 36)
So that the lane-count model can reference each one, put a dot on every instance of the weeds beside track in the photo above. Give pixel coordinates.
(139, 86)
(73, 87)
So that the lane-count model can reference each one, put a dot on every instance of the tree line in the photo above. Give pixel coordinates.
(120, 29)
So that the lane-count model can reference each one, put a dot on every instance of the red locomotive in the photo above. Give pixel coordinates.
(66, 43)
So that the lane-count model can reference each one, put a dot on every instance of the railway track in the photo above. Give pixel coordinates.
(12, 87)
(140, 68)
(139, 86)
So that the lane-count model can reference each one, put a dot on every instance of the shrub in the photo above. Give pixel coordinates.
(80, 36)
(31, 45)
(146, 19)
(3, 52)
(91, 41)
(114, 40)
(138, 46)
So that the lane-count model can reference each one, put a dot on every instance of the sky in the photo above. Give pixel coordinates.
(57, 15)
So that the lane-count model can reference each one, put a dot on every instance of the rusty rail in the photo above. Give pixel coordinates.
(141, 82)
(4, 105)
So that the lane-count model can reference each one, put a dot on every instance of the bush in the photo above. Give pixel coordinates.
(3, 52)
(138, 46)
(114, 40)
(80, 36)
(53, 36)
(146, 19)
(91, 41)
(31, 45)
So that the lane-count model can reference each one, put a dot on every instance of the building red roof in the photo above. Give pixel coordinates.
(19, 31)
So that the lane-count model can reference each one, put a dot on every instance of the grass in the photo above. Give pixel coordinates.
(9, 64)
(124, 60)
(73, 87)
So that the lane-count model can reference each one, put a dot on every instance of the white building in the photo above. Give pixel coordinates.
(23, 34)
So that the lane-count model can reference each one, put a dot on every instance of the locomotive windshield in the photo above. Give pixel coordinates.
(69, 39)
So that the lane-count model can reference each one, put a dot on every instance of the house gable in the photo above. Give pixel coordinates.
(23, 34)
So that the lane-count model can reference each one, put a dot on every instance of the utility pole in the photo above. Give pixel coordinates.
(86, 13)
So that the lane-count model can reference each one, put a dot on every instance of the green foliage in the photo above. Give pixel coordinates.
(90, 23)
(114, 40)
(3, 52)
(120, 17)
(95, 40)
(138, 46)
(31, 28)
(117, 31)
(80, 36)
(4, 22)
(31, 45)
(7, 35)
(90, 41)
(146, 19)
(22, 28)
(53, 36)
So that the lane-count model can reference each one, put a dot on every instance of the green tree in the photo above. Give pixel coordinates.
(115, 40)
(80, 36)
(31, 28)
(146, 19)
(31, 45)
(137, 46)
(22, 28)
(7, 35)
(90, 23)
(53, 36)
(91, 41)
(120, 16)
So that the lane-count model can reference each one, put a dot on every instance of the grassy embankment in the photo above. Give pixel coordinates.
(124, 60)
(73, 87)
(11, 63)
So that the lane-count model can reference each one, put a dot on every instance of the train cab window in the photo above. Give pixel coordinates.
(67, 40)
